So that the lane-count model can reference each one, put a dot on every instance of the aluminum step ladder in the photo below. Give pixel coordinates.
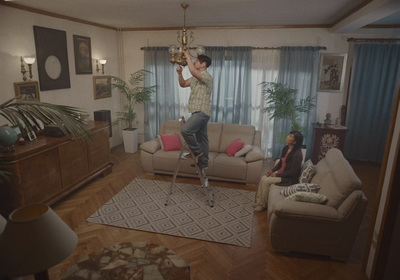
(202, 176)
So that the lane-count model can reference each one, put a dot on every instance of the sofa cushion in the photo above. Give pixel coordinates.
(307, 197)
(307, 172)
(214, 131)
(170, 142)
(336, 178)
(301, 187)
(254, 155)
(243, 151)
(230, 167)
(234, 147)
(231, 132)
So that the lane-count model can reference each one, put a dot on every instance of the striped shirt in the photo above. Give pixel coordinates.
(200, 95)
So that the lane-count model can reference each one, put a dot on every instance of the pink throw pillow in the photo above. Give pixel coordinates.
(234, 147)
(171, 142)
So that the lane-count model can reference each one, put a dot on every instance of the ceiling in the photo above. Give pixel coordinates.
(339, 15)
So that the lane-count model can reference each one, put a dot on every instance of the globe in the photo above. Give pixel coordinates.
(8, 136)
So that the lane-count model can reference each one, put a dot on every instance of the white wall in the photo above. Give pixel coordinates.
(17, 39)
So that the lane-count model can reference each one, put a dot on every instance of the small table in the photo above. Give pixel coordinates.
(136, 260)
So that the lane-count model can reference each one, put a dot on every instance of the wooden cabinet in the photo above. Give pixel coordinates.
(47, 169)
(325, 138)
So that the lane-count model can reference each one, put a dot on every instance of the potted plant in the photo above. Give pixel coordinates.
(30, 114)
(133, 94)
(282, 103)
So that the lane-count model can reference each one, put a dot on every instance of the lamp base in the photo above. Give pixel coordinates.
(43, 275)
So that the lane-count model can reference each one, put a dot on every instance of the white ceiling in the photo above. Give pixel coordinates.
(341, 15)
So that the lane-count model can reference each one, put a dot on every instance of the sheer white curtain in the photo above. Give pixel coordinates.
(265, 68)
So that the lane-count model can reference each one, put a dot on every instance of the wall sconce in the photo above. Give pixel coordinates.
(29, 61)
(102, 62)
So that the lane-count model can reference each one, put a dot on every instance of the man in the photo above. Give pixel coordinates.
(194, 131)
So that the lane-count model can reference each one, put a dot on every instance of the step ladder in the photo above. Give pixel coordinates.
(201, 173)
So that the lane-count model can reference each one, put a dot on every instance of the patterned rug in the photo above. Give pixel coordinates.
(141, 206)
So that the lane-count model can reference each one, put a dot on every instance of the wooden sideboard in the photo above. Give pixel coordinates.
(47, 169)
(325, 138)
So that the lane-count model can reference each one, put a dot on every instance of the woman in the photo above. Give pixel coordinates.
(285, 173)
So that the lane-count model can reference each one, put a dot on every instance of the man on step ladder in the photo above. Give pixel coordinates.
(194, 130)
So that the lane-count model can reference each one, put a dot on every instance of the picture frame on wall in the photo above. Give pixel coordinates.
(332, 70)
(101, 86)
(29, 91)
(52, 58)
(83, 55)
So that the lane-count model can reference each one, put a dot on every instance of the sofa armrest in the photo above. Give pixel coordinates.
(151, 146)
(254, 155)
(351, 202)
(306, 211)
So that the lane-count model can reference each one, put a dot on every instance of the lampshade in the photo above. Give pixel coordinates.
(103, 61)
(34, 239)
(29, 60)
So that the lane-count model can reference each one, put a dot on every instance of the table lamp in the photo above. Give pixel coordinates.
(33, 240)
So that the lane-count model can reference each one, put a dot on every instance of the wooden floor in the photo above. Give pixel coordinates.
(208, 260)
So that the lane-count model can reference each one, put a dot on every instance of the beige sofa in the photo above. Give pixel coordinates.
(325, 229)
(243, 169)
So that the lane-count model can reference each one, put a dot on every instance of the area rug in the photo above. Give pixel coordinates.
(141, 206)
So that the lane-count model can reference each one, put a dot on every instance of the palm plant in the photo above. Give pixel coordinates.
(134, 94)
(282, 103)
(30, 115)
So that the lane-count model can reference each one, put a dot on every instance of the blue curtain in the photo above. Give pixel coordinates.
(165, 103)
(372, 91)
(231, 72)
(299, 70)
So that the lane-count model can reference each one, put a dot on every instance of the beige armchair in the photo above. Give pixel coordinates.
(325, 229)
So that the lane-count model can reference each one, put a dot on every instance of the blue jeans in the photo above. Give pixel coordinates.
(194, 131)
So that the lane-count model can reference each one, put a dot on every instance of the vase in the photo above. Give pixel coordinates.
(130, 138)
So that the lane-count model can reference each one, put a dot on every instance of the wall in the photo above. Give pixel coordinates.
(17, 39)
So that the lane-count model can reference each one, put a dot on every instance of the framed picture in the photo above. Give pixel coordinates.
(52, 58)
(332, 69)
(83, 55)
(101, 86)
(29, 91)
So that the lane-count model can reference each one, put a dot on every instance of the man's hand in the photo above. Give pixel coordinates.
(268, 173)
(187, 55)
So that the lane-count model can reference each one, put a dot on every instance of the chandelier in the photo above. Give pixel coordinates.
(176, 52)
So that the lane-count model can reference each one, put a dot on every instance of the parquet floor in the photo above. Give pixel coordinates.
(208, 260)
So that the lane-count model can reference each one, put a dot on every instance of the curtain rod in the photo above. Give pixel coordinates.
(255, 48)
(371, 39)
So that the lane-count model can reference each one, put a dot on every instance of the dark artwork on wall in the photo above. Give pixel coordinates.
(52, 58)
(83, 55)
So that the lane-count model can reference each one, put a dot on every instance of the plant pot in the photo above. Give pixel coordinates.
(130, 138)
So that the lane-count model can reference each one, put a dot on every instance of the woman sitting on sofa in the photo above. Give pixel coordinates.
(285, 173)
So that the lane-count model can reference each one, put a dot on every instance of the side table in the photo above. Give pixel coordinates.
(325, 138)
(136, 260)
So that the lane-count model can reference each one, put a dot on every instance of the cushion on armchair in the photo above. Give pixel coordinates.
(302, 187)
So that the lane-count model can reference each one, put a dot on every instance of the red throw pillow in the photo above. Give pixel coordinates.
(171, 142)
(234, 147)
